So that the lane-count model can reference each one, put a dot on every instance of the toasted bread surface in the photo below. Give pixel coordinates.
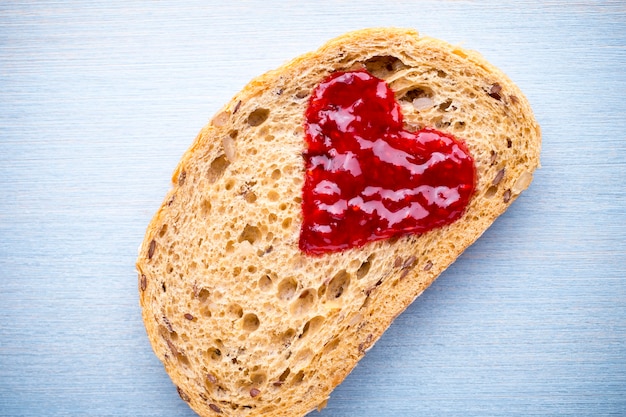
(245, 323)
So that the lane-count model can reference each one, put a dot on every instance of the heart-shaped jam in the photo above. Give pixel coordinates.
(366, 177)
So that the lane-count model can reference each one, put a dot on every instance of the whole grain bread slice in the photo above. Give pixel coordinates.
(244, 322)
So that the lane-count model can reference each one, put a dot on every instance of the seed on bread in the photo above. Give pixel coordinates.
(258, 116)
(522, 182)
(151, 249)
(506, 197)
(428, 266)
(183, 395)
(494, 91)
(498, 177)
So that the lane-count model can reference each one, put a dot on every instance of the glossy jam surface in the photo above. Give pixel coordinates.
(366, 177)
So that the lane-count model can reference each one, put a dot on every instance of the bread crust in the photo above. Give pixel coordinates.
(246, 324)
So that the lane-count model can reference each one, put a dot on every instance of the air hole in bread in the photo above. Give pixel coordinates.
(163, 331)
(203, 295)
(271, 218)
(273, 195)
(287, 337)
(246, 190)
(258, 116)
(214, 353)
(269, 138)
(205, 311)
(304, 302)
(417, 93)
(230, 184)
(305, 329)
(287, 288)
(298, 378)
(205, 207)
(364, 269)
(217, 168)
(250, 234)
(183, 360)
(459, 126)
(312, 326)
(258, 378)
(276, 174)
(163, 230)
(284, 375)
(491, 191)
(321, 291)
(265, 283)
(299, 132)
(302, 358)
(286, 223)
(250, 322)
(250, 197)
(301, 94)
(384, 65)
(439, 122)
(330, 346)
(234, 311)
(447, 106)
(337, 285)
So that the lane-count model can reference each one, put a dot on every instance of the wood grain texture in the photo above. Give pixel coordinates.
(98, 101)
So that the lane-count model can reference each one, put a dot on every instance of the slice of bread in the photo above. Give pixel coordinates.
(244, 322)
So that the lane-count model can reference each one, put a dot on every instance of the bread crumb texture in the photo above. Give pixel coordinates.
(247, 325)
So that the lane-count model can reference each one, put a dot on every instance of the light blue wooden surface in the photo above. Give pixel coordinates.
(98, 101)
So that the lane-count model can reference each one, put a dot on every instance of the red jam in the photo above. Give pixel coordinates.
(366, 177)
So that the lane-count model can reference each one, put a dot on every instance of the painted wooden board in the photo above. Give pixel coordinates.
(98, 101)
